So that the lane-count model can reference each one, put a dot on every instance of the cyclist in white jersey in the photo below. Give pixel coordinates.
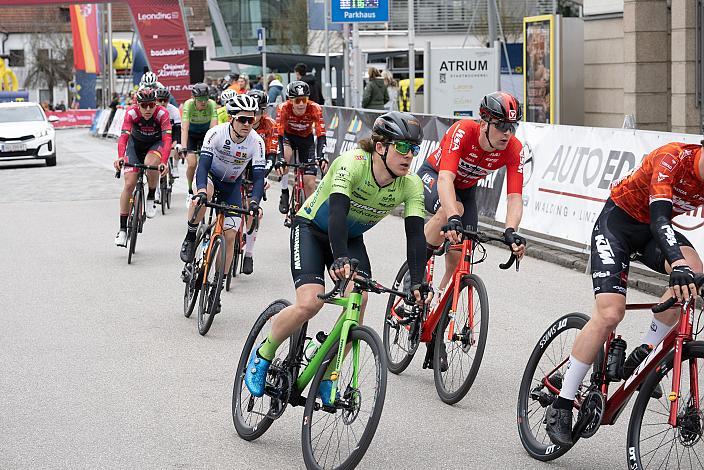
(162, 98)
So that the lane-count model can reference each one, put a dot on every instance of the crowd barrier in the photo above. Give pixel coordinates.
(72, 118)
(567, 170)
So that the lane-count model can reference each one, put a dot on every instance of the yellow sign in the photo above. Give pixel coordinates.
(123, 61)
(403, 98)
(8, 79)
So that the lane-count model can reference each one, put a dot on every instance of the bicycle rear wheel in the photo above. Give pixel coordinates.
(133, 224)
(213, 277)
(235, 264)
(652, 442)
(461, 340)
(339, 436)
(251, 415)
(550, 356)
(400, 341)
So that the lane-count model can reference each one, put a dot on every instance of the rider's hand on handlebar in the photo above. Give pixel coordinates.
(682, 282)
(518, 243)
(340, 269)
(200, 197)
(451, 231)
(119, 163)
(322, 163)
(163, 169)
(280, 166)
(423, 293)
(255, 209)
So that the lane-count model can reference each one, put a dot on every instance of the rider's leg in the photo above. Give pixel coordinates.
(152, 159)
(452, 258)
(288, 154)
(191, 164)
(125, 196)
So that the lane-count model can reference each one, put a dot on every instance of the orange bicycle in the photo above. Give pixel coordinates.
(455, 329)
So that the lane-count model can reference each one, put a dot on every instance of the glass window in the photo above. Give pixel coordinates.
(16, 58)
(21, 114)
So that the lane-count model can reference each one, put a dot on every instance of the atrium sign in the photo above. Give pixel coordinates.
(360, 11)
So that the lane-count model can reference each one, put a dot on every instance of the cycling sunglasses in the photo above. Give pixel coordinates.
(244, 119)
(202, 98)
(403, 147)
(147, 105)
(504, 126)
(300, 100)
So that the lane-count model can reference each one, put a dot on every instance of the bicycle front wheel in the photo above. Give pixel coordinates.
(234, 265)
(460, 339)
(400, 341)
(213, 276)
(339, 436)
(652, 442)
(164, 191)
(133, 224)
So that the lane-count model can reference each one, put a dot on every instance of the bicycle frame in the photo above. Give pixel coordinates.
(676, 339)
(339, 334)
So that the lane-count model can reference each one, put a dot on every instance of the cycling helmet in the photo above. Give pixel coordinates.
(199, 89)
(260, 96)
(145, 95)
(162, 93)
(240, 103)
(213, 93)
(227, 95)
(501, 106)
(297, 89)
(396, 125)
(149, 79)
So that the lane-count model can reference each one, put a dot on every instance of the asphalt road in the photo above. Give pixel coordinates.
(100, 369)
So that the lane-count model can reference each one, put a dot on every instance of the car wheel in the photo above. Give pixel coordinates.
(51, 161)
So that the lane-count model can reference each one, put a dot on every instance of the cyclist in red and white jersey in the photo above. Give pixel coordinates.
(145, 139)
(468, 152)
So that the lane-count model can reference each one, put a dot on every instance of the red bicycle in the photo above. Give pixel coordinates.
(460, 319)
(665, 429)
(298, 195)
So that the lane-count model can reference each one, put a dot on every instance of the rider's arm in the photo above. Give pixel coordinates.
(666, 172)
(451, 153)
(213, 113)
(205, 161)
(514, 187)
(165, 148)
(446, 193)
(258, 171)
(185, 124)
(125, 135)
(270, 160)
(318, 122)
(320, 147)
(337, 224)
(415, 248)
(514, 210)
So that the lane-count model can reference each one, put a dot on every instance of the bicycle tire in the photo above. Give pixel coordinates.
(361, 334)
(234, 264)
(405, 356)
(163, 188)
(245, 430)
(209, 295)
(452, 396)
(193, 283)
(688, 432)
(543, 449)
(134, 225)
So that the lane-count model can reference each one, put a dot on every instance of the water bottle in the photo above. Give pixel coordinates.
(617, 356)
(312, 346)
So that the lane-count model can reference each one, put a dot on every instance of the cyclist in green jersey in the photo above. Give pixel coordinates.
(225, 96)
(198, 116)
(361, 188)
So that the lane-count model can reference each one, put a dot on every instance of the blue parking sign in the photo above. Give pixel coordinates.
(360, 11)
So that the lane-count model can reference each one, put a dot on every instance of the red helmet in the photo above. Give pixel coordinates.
(145, 95)
(501, 106)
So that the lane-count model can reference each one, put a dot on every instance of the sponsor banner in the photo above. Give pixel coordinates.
(116, 124)
(84, 26)
(162, 33)
(73, 117)
(104, 122)
(96, 120)
(460, 78)
(568, 170)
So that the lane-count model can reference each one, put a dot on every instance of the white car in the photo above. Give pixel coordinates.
(26, 133)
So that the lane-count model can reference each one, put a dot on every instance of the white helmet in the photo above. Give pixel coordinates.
(149, 79)
(240, 103)
(227, 95)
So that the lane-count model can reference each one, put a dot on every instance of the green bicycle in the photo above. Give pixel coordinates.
(335, 436)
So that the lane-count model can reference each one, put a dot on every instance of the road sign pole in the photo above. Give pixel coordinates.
(261, 46)
(411, 57)
(326, 72)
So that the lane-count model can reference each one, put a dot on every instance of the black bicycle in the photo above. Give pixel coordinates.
(166, 186)
(135, 221)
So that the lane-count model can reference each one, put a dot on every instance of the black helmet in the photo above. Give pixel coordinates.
(260, 96)
(297, 89)
(199, 89)
(213, 93)
(396, 125)
(501, 106)
(162, 93)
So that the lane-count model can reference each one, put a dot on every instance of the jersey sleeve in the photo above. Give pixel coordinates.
(348, 172)
(281, 116)
(414, 205)
(514, 169)
(451, 148)
(186, 115)
(318, 121)
(213, 109)
(271, 140)
(165, 148)
(205, 161)
(125, 134)
(666, 169)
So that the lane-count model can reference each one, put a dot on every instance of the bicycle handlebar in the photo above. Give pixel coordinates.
(134, 165)
(669, 303)
(226, 208)
(481, 237)
(364, 283)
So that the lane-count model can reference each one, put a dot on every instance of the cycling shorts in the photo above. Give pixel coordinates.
(136, 151)
(176, 133)
(311, 253)
(195, 141)
(617, 239)
(306, 150)
(467, 196)
(228, 193)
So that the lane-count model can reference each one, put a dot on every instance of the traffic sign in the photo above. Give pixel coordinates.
(261, 42)
(360, 11)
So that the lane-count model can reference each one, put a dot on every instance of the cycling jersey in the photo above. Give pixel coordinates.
(668, 173)
(146, 131)
(310, 122)
(199, 121)
(224, 160)
(351, 174)
(267, 130)
(174, 114)
(223, 117)
(460, 153)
